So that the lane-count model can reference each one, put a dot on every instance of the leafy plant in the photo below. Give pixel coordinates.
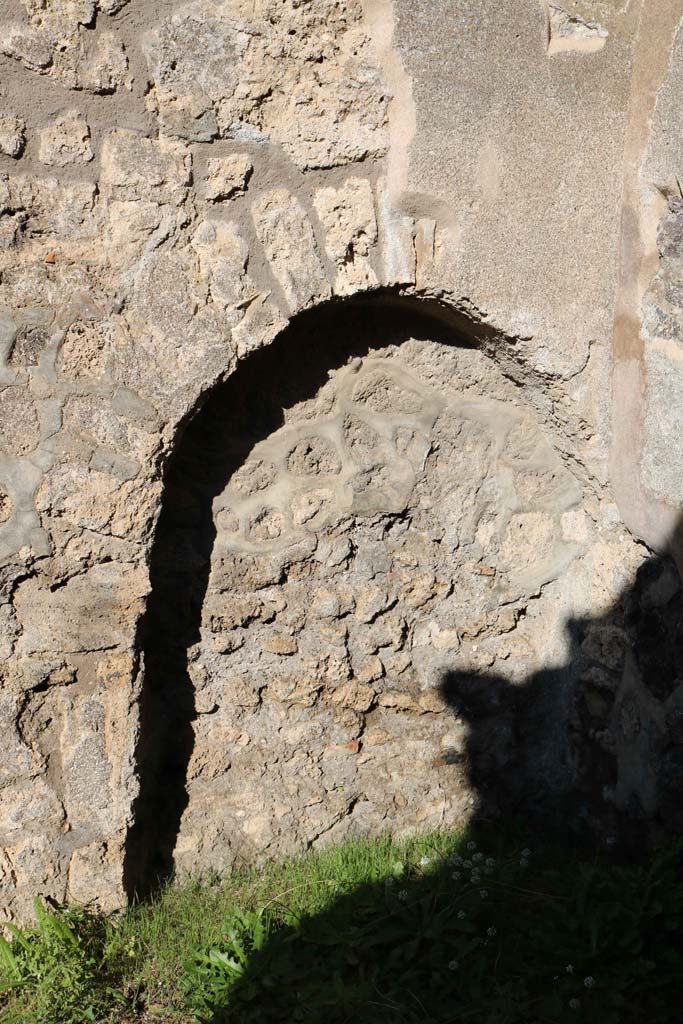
(504, 940)
(437, 929)
(58, 963)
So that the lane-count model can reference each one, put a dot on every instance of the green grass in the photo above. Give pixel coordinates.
(373, 931)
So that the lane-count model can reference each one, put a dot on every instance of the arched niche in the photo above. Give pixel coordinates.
(364, 507)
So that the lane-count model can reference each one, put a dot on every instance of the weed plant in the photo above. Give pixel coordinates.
(443, 928)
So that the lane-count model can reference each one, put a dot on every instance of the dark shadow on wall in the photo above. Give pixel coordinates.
(590, 928)
(593, 746)
(588, 753)
(211, 446)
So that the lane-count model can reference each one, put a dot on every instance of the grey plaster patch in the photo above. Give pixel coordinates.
(663, 440)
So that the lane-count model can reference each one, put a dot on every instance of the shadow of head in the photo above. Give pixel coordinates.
(597, 741)
(591, 739)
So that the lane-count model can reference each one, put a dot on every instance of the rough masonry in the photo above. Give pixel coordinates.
(339, 426)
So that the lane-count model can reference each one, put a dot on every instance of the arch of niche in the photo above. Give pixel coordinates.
(354, 500)
(364, 507)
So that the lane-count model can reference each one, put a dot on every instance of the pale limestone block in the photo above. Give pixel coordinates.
(95, 875)
(111, 6)
(135, 167)
(286, 234)
(84, 351)
(107, 68)
(223, 255)
(6, 505)
(20, 432)
(396, 243)
(569, 33)
(306, 80)
(55, 40)
(227, 176)
(261, 323)
(12, 135)
(66, 141)
(347, 214)
(662, 455)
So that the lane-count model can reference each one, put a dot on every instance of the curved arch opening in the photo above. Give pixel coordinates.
(361, 508)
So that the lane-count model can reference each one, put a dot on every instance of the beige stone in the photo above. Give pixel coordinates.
(5, 505)
(134, 167)
(223, 256)
(12, 135)
(227, 176)
(19, 417)
(348, 216)
(286, 234)
(84, 352)
(569, 32)
(53, 41)
(66, 141)
(280, 643)
(302, 77)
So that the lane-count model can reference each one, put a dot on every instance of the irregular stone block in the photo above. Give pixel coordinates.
(12, 135)
(397, 246)
(348, 217)
(54, 42)
(92, 612)
(20, 429)
(134, 167)
(569, 33)
(6, 506)
(286, 234)
(302, 76)
(66, 141)
(227, 176)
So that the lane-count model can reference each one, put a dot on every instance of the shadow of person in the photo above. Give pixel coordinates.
(587, 758)
(590, 751)
(596, 745)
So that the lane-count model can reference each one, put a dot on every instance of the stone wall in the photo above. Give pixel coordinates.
(333, 293)
(334, 542)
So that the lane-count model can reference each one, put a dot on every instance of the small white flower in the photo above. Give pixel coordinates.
(569, 968)
(461, 915)
(455, 859)
(490, 862)
(526, 852)
(574, 1004)
(471, 845)
(467, 864)
(391, 880)
(484, 893)
(456, 876)
(403, 895)
(478, 858)
(524, 863)
(589, 981)
(491, 932)
(475, 877)
(424, 861)
(453, 965)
